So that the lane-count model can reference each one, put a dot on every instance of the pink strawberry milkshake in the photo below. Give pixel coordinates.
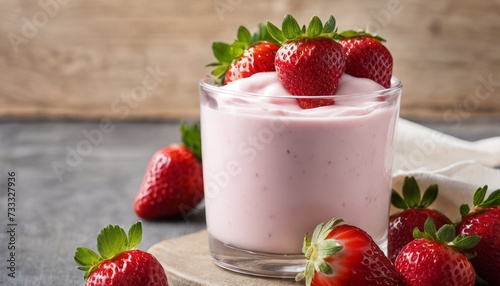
(273, 171)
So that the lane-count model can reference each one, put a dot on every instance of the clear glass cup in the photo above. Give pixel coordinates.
(273, 171)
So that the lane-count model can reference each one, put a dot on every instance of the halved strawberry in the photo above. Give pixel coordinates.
(415, 213)
(245, 56)
(173, 182)
(342, 254)
(437, 257)
(367, 57)
(118, 261)
(484, 220)
(309, 62)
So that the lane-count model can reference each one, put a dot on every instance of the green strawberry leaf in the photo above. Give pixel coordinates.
(291, 30)
(411, 192)
(417, 233)
(290, 27)
(327, 248)
(398, 201)
(430, 227)
(317, 232)
(213, 64)
(86, 257)
(411, 195)
(462, 242)
(301, 275)
(317, 249)
(349, 34)
(329, 26)
(429, 196)
(309, 272)
(464, 210)
(275, 32)
(220, 71)
(306, 245)
(134, 235)
(327, 228)
(315, 27)
(493, 199)
(221, 52)
(479, 196)
(244, 35)
(111, 241)
(237, 49)
(226, 54)
(446, 233)
(324, 267)
(191, 138)
(263, 35)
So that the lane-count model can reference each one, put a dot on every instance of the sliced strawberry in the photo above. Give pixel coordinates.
(118, 261)
(341, 254)
(309, 62)
(437, 258)
(246, 56)
(173, 182)
(484, 220)
(367, 57)
(415, 213)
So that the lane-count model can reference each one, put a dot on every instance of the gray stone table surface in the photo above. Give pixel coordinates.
(73, 178)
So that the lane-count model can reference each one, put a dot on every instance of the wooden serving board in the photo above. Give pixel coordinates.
(187, 261)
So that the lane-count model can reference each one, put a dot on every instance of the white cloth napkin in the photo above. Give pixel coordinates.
(459, 167)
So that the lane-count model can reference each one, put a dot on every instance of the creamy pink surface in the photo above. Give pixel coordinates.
(273, 171)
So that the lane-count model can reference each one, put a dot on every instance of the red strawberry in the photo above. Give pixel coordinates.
(118, 261)
(484, 220)
(246, 56)
(435, 258)
(173, 183)
(415, 214)
(341, 254)
(367, 57)
(256, 58)
(309, 62)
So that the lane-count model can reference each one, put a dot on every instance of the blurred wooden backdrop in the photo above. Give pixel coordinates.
(90, 59)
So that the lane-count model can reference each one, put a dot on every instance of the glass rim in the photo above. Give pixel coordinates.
(395, 89)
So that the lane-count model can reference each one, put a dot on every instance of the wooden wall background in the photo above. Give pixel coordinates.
(86, 59)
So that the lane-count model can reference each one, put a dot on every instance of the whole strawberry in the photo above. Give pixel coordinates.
(341, 254)
(484, 220)
(245, 56)
(436, 258)
(173, 182)
(309, 62)
(367, 57)
(119, 263)
(415, 213)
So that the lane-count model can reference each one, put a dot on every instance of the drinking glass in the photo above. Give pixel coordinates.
(273, 171)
